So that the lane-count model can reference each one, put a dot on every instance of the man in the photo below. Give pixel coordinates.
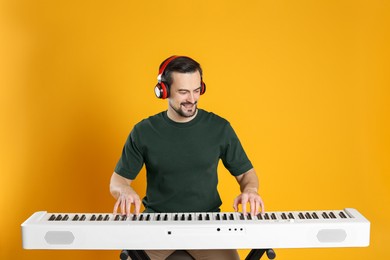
(181, 148)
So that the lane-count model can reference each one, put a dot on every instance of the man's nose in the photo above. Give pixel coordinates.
(191, 97)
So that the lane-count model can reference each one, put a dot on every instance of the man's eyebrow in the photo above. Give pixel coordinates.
(184, 89)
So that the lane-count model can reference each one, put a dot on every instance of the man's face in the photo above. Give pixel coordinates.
(184, 94)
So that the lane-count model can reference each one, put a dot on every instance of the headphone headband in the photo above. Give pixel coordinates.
(164, 65)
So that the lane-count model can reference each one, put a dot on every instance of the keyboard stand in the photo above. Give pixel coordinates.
(134, 255)
(254, 254)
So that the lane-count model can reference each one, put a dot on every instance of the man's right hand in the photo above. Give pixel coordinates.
(125, 195)
(126, 199)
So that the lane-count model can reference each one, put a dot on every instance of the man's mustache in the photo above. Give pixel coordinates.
(189, 103)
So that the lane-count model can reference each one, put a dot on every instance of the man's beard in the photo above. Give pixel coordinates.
(183, 113)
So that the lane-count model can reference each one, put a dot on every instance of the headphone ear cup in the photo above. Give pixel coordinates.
(161, 90)
(203, 88)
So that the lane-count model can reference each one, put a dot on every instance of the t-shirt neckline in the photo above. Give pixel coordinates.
(185, 124)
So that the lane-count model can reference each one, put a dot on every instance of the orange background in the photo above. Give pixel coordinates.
(304, 83)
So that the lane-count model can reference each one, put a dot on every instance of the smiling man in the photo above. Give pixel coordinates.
(181, 148)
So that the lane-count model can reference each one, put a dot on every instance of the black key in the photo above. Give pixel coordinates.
(166, 217)
(218, 217)
(124, 217)
(307, 215)
(207, 216)
(100, 218)
(266, 216)
(116, 217)
(148, 217)
(106, 218)
(291, 216)
(249, 217)
(93, 218)
(190, 217)
(158, 218)
(342, 215)
(183, 217)
(324, 215)
(59, 217)
(300, 215)
(315, 215)
(332, 215)
(76, 217)
(141, 217)
(284, 216)
(273, 216)
(259, 216)
(66, 217)
(83, 217)
(231, 216)
(52, 217)
(242, 217)
(176, 217)
(200, 217)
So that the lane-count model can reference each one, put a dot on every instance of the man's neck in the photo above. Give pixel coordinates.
(174, 116)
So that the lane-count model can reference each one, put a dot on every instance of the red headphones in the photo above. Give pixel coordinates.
(162, 88)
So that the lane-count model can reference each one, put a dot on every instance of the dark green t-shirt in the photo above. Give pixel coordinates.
(181, 161)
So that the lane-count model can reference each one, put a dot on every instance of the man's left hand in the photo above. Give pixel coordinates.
(253, 198)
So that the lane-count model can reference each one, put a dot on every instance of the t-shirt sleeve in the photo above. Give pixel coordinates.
(131, 160)
(234, 157)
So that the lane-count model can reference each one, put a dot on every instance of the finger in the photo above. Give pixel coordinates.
(235, 204)
(243, 208)
(262, 206)
(244, 201)
(123, 205)
(137, 206)
(257, 206)
(115, 211)
(252, 204)
(128, 207)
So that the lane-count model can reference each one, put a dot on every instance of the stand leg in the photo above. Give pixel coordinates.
(256, 254)
(134, 255)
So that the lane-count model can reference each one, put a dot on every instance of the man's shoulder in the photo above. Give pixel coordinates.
(212, 117)
(152, 118)
(148, 122)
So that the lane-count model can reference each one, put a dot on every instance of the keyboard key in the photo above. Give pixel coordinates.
(342, 215)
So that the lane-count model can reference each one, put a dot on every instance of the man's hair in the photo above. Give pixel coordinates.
(181, 64)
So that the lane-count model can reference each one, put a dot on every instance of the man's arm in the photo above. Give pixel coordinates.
(124, 194)
(249, 185)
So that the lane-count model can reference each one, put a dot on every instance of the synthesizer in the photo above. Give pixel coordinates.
(222, 230)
